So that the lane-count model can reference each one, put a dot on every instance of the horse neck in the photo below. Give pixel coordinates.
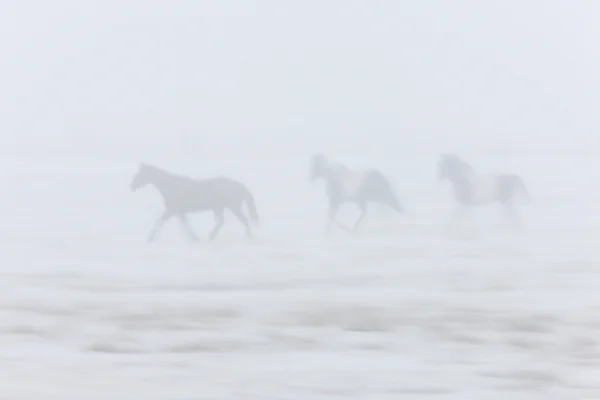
(462, 184)
(333, 172)
(334, 177)
(164, 181)
(459, 180)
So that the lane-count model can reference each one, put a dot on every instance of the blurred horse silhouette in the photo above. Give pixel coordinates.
(183, 195)
(345, 185)
(472, 189)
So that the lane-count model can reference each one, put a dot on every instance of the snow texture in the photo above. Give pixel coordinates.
(402, 309)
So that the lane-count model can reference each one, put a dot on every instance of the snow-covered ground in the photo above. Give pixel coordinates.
(401, 310)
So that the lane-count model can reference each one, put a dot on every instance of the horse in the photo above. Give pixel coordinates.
(474, 190)
(345, 185)
(183, 195)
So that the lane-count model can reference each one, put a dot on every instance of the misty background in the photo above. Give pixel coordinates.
(250, 89)
(119, 78)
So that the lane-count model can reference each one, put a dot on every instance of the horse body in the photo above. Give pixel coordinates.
(349, 180)
(203, 195)
(345, 185)
(486, 191)
(183, 195)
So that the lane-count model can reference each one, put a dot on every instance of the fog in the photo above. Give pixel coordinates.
(250, 90)
(327, 75)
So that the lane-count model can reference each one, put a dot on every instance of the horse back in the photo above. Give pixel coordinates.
(355, 184)
(493, 187)
(205, 194)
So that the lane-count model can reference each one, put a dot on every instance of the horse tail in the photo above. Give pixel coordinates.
(524, 190)
(393, 201)
(389, 194)
(251, 204)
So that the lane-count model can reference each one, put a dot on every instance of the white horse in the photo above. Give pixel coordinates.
(345, 185)
(472, 189)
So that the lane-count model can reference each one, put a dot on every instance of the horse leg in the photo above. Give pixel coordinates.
(333, 209)
(466, 214)
(190, 232)
(237, 211)
(220, 220)
(158, 224)
(363, 212)
(457, 217)
(512, 215)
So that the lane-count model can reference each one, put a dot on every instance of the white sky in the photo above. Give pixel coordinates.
(285, 73)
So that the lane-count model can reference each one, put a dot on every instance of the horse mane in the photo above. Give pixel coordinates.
(328, 162)
(154, 169)
(456, 160)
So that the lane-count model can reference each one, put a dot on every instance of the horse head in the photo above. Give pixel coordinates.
(451, 166)
(318, 165)
(142, 177)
